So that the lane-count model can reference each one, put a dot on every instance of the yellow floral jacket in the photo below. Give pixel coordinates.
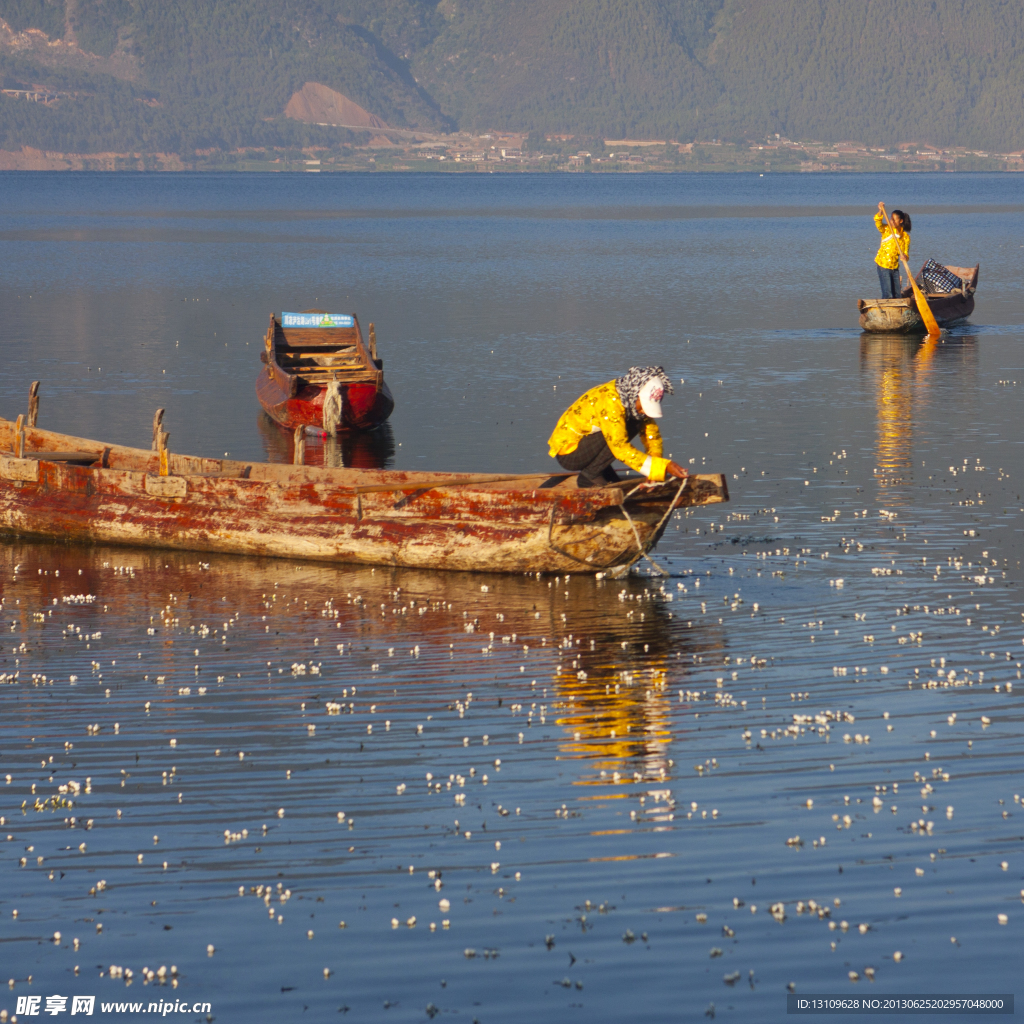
(888, 255)
(601, 409)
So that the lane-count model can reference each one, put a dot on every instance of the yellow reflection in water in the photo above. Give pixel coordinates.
(891, 362)
(615, 688)
(620, 717)
(902, 372)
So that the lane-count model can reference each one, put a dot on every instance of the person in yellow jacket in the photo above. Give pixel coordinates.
(888, 258)
(597, 428)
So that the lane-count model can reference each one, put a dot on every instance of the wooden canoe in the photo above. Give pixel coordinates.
(900, 316)
(300, 363)
(83, 491)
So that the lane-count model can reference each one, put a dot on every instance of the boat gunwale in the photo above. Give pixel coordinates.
(212, 472)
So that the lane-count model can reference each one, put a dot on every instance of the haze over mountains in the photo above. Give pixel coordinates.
(184, 75)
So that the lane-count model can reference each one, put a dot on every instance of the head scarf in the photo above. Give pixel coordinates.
(630, 384)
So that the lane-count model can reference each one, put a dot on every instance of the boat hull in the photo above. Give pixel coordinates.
(364, 406)
(376, 518)
(900, 316)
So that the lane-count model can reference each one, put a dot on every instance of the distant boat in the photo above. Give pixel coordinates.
(900, 316)
(80, 491)
(304, 354)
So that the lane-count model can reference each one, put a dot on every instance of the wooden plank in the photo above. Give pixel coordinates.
(316, 338)
(473, 481)
(341, 362)
(323, 376)
(227, 474)
(292, 355)
(85, 458)
(313, 362)
(18, 469)
(166, 486)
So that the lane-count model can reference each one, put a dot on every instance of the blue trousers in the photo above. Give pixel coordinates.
(890, 282)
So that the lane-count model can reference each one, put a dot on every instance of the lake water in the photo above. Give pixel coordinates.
(794, 757)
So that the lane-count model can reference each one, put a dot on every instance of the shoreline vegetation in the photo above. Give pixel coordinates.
(512, 86)
(518, 153)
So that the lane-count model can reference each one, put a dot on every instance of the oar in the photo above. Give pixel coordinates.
(922, 303)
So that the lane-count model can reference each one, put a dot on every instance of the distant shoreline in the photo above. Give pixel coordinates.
(469, 171)
(515, 154)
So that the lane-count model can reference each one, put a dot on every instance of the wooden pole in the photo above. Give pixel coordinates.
(299, 453)
(33, 403)
(158, 420)
(373, 343)
(19, 436)
(160, 439)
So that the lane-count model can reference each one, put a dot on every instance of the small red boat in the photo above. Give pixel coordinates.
(319, 373)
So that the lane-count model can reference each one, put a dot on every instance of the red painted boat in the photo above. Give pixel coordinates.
(308, 355)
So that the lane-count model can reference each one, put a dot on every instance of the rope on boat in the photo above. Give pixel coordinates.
(642, 549)
(333, 408)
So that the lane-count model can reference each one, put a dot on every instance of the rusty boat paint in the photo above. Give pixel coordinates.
(365, 405)
(81, 491)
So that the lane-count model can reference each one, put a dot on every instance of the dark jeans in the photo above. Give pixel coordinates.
(890, 282)
(593, 460)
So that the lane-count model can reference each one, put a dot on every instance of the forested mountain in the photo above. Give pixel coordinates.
(182, 75)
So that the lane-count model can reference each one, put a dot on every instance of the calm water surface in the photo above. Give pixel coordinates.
(792, 758)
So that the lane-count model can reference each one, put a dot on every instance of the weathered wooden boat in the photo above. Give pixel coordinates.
(900, 316)
(80, 491)
(319, 373)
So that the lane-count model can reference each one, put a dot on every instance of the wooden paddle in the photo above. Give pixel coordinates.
(922, 303)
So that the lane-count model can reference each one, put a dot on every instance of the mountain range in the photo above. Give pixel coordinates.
(180, 76)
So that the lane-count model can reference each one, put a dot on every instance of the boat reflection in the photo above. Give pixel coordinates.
(602, 661)
(351, 449)
(900, 371)
(622, 657)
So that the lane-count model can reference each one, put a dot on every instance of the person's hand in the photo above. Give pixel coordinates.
(881, 207)
(674, 469)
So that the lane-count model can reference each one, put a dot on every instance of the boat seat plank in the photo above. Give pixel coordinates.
(339, 358)
(316, 337)
(328, 369)
(345, 377)
(319, 350)
(307, 368)
(80, 458)
(310, 359)
(337, 345)
(334, 346)
(320, 366)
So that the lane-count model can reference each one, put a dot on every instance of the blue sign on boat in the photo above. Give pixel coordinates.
(317, 320)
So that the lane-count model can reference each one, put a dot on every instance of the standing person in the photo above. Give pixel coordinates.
(888, 258)
(597, 428)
